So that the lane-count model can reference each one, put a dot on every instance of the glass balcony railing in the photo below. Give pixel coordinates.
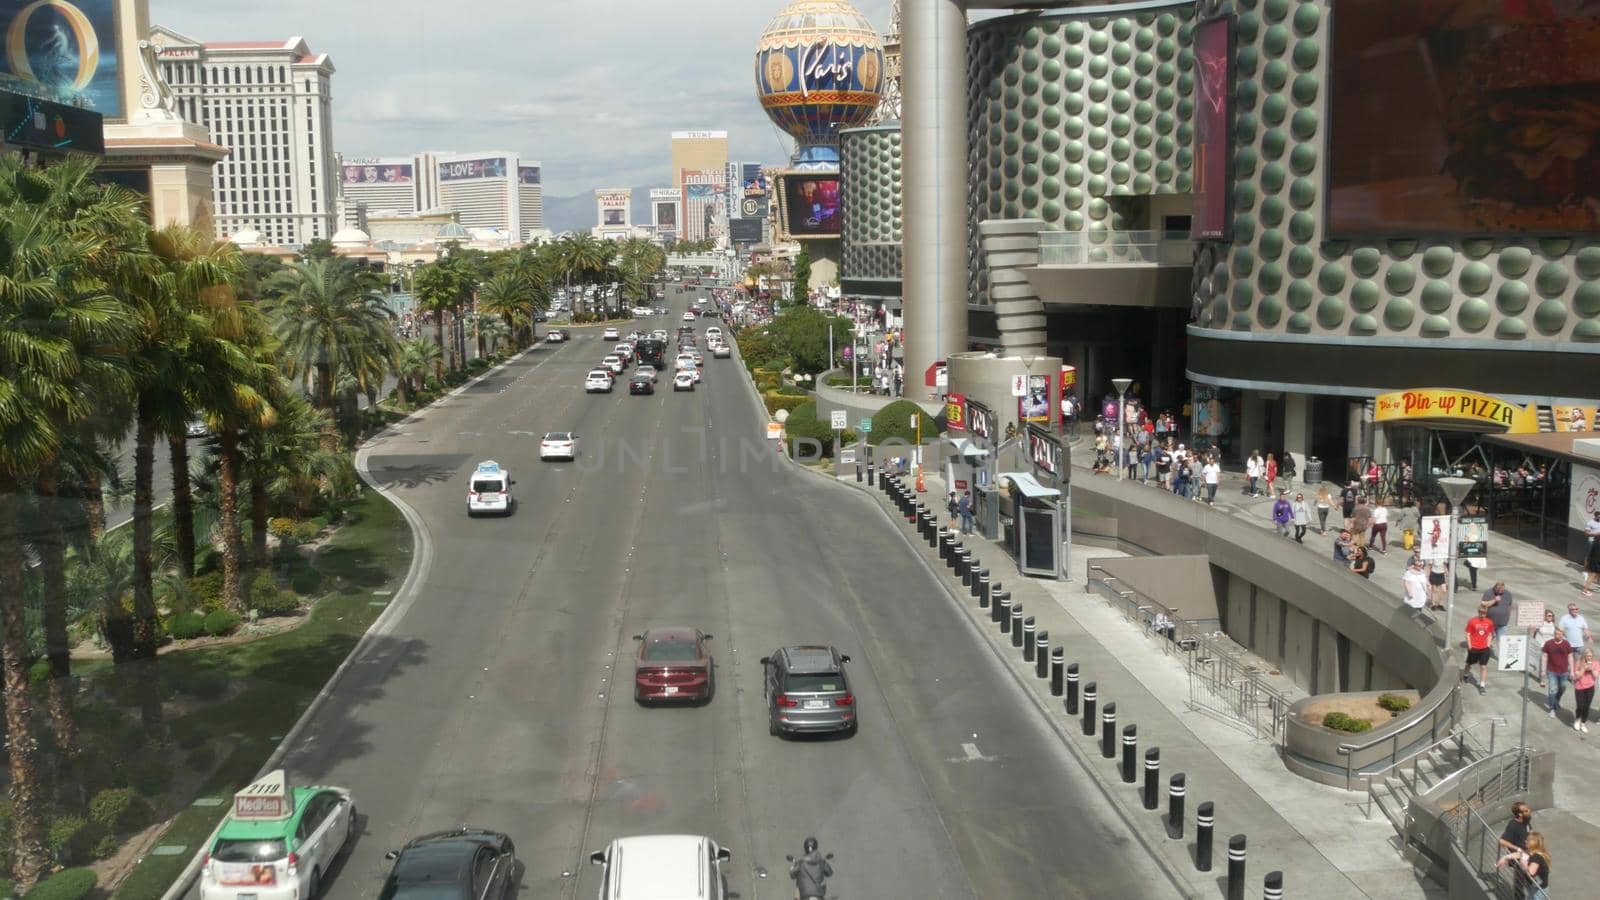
(1114, 248)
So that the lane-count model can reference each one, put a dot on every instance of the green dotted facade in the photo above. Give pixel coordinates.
(870, 179)
(1067, 112)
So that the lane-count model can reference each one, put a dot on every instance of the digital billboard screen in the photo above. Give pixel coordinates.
(43, 125)
(745, 231)
(755, 183)
(613, 217)
(666, 215)
(463, 169)
(527, 174)
(1456, 118)
(379, 173)
(1213, 136)
(813, 204)
(65, 52)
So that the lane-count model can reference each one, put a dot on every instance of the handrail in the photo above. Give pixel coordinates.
(1461, 737)
(1393, 738)
(1508, 882)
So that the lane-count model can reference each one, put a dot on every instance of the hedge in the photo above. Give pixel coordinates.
(221, 622)
(804, 424)
(67, 884)
(1338, 721)
(184, 626)
(70, 839)
(776, 401)
(119, 809)
(894, 422)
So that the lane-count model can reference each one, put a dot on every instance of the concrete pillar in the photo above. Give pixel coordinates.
(934, 135)
(1357, 441)
(1252, 422)
(1297, 430)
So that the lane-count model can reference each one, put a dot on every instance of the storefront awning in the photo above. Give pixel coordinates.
(965, 446)
(1030, 486)
(1571, 446)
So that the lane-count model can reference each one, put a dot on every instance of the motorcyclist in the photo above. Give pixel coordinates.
(810, 872)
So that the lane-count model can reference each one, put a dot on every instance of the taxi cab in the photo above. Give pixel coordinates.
(279, 841)
(489, 491)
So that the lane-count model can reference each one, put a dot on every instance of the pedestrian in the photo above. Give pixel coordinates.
(1541, 633)
(1436, 578)
(1128, 451)
(1575, 626)
(1270, 471)
(1212, 472)
(1361, 520)
(1591, 569)
(1591, 528)
(1499, 600)
(1302, 517)
(1253, 472)
(1557, 654)
(1584, 676)
(1164, 465)
(1347, 499)
(1372, 476)
(1414, 585)
(965, 509)
(1324, 503)
(1282, 515)
(1532, 861)
(1180, 457)
(1100, 452)
(1514, 839)
(1148, 459)
(1380, 526)
(954, 508)
(1342, 545)
(1480, 632)
(1361, 562)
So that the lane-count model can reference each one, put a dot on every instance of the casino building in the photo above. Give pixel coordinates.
(1232, 205)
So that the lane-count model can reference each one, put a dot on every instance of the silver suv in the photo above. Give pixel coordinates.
(806, 690)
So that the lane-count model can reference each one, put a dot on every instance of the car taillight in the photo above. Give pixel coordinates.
(205, 864)
(294, 860)
(846, 700)
(787, 702)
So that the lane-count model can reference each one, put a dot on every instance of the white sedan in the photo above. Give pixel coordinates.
(610, 334)
(684, 380)
(721, 351)
(599, 381)
(688, 317)
(648, 371)
(559, 445)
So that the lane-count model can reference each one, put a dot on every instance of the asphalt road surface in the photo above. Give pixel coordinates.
(502, 695)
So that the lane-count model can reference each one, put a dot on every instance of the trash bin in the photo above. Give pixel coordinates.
(1313, 471)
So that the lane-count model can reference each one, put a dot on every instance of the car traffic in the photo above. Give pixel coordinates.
(489, 490)
(558, 445)
(599, 381)
(462, 864)
(278, 842)
(672, 664)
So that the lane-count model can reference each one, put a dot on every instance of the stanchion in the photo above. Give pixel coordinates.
(1204, 821)
(1152, 777)
(1130, 749)
(912, 508)
(944, 545)
(858, 473)
(1016, 623)
(1041, 655)
(969, 573)
(1030, 638)
(1236, 867)
(1175, 791)
(1072, 690)
(1002, 610)
(1108, 731)
(1088, 709)
(954, 558)
(1058, 666)
(871, 470)
(980, 589)
(1272, 886)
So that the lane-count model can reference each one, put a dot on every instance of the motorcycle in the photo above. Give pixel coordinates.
(819, 878)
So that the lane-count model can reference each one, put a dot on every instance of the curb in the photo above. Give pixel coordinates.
(421, 562)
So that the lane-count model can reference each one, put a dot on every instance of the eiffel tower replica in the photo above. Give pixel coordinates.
(889, 104)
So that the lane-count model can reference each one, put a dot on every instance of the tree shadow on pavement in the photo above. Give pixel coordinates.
(406, 471)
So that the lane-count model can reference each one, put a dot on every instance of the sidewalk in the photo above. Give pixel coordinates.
(1314, 834)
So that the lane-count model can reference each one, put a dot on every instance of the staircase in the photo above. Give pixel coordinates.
(1392, 791)
(1547, 419)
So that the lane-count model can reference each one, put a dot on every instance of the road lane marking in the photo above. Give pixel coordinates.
(972, 755)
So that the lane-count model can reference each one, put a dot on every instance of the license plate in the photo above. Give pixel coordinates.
(816, 704)
(244, 897)
(669, 690)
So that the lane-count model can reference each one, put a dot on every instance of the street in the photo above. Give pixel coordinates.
(501, 697)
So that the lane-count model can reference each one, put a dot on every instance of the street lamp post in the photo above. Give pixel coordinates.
(1122, 385)
(1455, 490)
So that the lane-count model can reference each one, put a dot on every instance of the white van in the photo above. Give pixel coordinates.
(489, 490)
(662, 867)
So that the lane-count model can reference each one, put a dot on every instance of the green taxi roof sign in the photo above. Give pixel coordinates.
(268, 798)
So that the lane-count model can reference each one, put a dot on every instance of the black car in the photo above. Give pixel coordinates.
(641, 384)
(464, 864)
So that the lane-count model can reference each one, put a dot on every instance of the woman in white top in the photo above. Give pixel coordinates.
(1380, 527)
(1542, 632)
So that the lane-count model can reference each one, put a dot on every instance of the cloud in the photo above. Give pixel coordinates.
(590, 88)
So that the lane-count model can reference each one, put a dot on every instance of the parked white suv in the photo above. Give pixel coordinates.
(653, 866)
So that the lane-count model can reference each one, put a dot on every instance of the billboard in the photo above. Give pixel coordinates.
(702, 191)
(1496, 129)
(813, 204)
(1034, 405)
(64, 52)
(744, 231)
(612, 218)
(464, 169)
(1213, 138)
(379, 172)
(666, 215)
(527, 174)
(43, 125)
(755, 183)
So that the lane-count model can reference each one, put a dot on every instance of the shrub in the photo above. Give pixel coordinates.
(185, 626)
(281, 527)
(894, 422)
(776, 401)
(67, 884)
(262, 588)
(279, 603)
(206, 590)
(766, 380)
(306, 532)
(1338, 721)
(71, 838)
(1394, 703)
(322, 520)
(105, 847)
(119, 809)
(149, 775)
(221, 622)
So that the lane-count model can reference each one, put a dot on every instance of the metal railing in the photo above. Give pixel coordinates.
(1090, 248)
(1468, 747)
(1220, 679)
(1402, 740)
(1491, 782)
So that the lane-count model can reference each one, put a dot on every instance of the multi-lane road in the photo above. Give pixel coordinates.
(500, 695)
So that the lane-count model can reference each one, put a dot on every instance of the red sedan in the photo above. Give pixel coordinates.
(672, 664)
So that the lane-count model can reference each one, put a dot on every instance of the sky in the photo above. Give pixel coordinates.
(591, 89)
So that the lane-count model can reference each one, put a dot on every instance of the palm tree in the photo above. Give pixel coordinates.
(283, 457)
(508, 296)
(442, 287)
(411, 365)
(246, 408)
(491, 331)
(54, 310)
(330, 318)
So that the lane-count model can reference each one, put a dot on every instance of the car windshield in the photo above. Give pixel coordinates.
(253, 850)
(559, 436)
(672, 650)
(814, 683)
(487, 486)
(599, 373)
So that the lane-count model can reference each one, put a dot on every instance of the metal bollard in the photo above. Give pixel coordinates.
(1058, 665)
(858, 473)
(1072, 689)
(931, 531)
(1108, 731)
(969, 573)
(1272, 886)
(1002, 613)
(871, 470)
(911, 508)
(1204, 821)
(1016, 623)
(1041, 655)
(980, 589)
(944, 544)
(1175, 791)
(954, 562)
(1030, 638)
(1236, 867)
(1130, 749)
(1152, 776)
(1088, 709)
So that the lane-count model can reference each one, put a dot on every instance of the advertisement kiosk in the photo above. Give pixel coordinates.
(1040, 521)
(981, 450)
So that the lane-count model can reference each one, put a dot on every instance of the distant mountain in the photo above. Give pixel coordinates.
(577, 212)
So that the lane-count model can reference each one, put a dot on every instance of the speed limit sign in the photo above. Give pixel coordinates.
(841, 420)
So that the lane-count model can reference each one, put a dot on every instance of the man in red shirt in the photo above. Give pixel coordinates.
(1557, 668)
(1480, 631)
